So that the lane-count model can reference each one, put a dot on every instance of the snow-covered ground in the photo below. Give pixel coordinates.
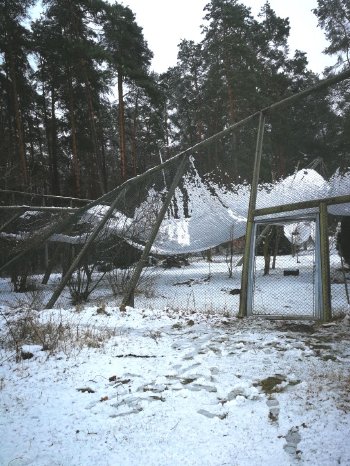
(177, 380)
(207, 287)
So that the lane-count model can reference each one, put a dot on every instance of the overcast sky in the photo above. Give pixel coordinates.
(166, 22)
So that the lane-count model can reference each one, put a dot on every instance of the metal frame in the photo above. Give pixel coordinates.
(252, 213)
(319, 305)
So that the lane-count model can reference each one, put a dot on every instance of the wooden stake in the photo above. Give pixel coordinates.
(248, 250)
(128, 299)
(326, 311)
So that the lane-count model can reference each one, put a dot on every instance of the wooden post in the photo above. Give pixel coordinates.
(277, 242)
(51, 263)
(82, 252)
(326, 311)
(245, 282)
(46, 245)
(11, 219)
(128, 299)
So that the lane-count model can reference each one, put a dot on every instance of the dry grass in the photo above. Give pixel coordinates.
(53, 333)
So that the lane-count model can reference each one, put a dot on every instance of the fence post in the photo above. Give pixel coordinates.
(12, 219)
(248, 249)
(82, 252)
(326, 311)
(128, 299)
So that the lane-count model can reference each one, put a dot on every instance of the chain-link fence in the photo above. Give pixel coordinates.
(177, 236)
(284, 270)
(339, 268)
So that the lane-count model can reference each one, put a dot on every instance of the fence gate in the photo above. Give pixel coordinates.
(284, 270)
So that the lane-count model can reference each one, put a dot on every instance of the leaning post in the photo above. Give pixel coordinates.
(128, 299)
(249, 240)
(12, 219)
(82, 252)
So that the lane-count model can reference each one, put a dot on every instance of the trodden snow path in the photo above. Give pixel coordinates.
(171, 390)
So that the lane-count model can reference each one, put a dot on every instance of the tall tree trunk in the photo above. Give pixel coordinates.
(51, 137)
(39, 138)
(231, 112)
(19, 124)
(96, 147)
(9, 160)
(55, 180)
(231, 115)
(122, 145)
(166, 130)
(103, 155)
(199, 123)
(76, 167)
(46, 124)
(31, 144)
(133, 136)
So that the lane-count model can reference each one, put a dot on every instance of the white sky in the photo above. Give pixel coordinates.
(166, 22)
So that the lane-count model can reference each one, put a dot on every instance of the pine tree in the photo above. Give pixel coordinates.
(77, 85)
(14, 74)
(129, 57)
(334, 17)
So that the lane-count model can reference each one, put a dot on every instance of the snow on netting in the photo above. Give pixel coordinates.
(195, 261)
(296, 167)
(194, 243)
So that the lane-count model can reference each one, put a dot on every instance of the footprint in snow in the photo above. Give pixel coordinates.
(293, 437)
(210, 415)
(274, 409)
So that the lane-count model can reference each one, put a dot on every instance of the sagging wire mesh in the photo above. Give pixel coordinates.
(114, 233)
(299, 164)
(339, 244)
(196, 257)
(22, 230)
(200, 240)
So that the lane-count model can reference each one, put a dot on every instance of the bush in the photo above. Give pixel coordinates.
(81, 285)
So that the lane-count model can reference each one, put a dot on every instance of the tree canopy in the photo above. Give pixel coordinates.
(81, 111)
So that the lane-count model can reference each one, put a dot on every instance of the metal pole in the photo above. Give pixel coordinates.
(248, 251)
(326, 311)
(10, 220)
(47, 196)
(129, 293)
(38, 208)
(78, 258)
(303, 205)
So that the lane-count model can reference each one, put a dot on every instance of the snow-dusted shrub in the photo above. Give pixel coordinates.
(50, 333)
(25, 328)
(81, 283)
(118, 280)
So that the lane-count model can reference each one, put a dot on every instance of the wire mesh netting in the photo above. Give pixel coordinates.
(284, 270)
(192, 259)
(197, 247)
(339, 268)
(299, 167)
